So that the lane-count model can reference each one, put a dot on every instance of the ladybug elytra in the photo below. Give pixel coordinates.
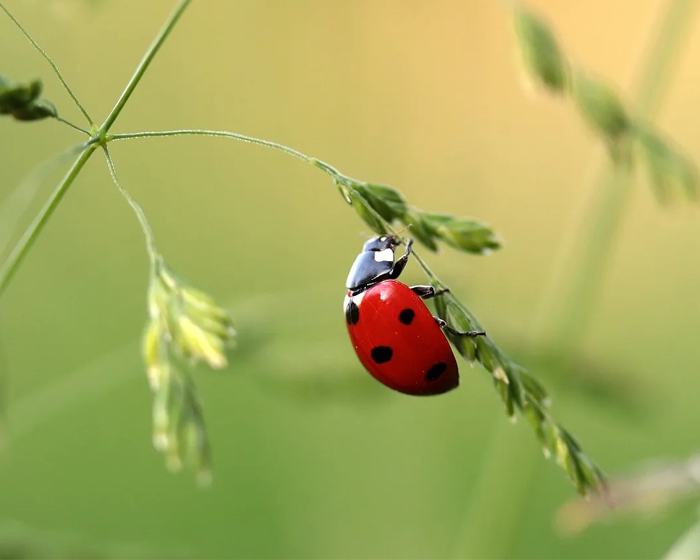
(394, 334)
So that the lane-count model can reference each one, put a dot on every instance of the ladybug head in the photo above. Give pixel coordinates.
(374, 263)
(381, 243)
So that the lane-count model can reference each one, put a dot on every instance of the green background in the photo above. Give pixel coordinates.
(312, 458)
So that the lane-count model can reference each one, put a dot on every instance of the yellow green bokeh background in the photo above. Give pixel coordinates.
(312, 458)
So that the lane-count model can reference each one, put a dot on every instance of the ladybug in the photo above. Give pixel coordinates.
(394, 334)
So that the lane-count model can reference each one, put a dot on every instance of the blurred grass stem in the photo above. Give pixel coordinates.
(569, 295)
(14, 206)
(24, 245)
(579, 269)
(687, 546)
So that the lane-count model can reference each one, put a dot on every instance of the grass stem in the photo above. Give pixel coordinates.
(145, 63)
(136, 207)
(214, 134)
(51, 63)
(14, 260)
(74, 126)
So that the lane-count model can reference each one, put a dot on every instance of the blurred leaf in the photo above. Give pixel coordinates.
(364, 210)
(652, 490)
(41, 109)
(466, 234)
(601, 108)
(687, 547)
(387, 201)
(539, 50)
(15, 96)
(23, 102)
(668, 169)
(18, 542)
(420, 229)
(22, 542)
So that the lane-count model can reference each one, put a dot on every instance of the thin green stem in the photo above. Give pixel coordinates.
(140, 214)
(426, 269)
(145, 63)
(215, 134)
(74, 126)
(11, 265)
(476, 537)
(51, 62)
(323, 166)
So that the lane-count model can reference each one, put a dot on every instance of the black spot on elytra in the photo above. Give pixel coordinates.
(406, 316)
(435, 371)
(352, 313)
(382, 354)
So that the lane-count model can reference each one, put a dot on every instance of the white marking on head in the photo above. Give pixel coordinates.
(387, 255)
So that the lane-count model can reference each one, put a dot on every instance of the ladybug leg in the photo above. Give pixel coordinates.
(427, 292)
(400, 264)
(444, 326)
(396, 269)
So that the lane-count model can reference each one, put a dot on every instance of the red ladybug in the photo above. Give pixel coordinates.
(394, 334)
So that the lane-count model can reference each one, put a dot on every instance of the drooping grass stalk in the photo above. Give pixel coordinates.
(380, 206)
(214, 134)
(576, 276)
(323, 166)
(52, 63)
(140, 214)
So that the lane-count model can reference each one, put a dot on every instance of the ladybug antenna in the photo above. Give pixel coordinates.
(370, 235)
(405, 228)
